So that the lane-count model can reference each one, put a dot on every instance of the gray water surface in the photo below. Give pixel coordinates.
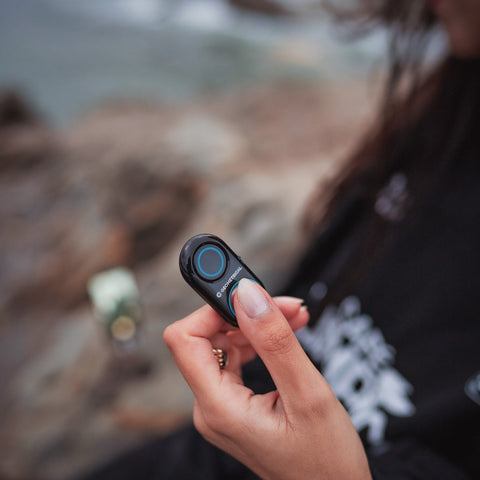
(68, 55)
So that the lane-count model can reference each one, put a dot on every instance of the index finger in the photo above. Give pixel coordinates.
(189, 342)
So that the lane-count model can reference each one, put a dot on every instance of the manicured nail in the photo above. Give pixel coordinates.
(294, 300)
(252, 298)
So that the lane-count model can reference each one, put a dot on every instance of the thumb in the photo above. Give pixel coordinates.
(270, 334)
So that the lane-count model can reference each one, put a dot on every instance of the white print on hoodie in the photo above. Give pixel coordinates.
(357, 363)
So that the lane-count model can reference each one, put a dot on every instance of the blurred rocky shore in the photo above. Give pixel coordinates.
(126, 185)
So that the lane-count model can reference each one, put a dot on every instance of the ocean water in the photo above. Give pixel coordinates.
(68, 55)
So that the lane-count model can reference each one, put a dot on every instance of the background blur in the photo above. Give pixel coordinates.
(126, 126)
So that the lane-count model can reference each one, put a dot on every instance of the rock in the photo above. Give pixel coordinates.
(14, 110)
(149, 207)
(24, 141)
(87, 208)
(207, 143)
(127, 185)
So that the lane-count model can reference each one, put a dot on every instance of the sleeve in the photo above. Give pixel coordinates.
(410, 460)
(257, 377)
(402, 460)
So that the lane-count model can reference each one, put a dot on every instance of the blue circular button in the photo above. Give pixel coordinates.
(234, 286)
(210, 262)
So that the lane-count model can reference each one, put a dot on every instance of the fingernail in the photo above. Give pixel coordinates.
(295, 300)
(252, 298)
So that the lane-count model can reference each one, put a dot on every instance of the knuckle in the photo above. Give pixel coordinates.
(169, 335)
(199, 422)
(203, 427)
(174, 336)
(321, 403)
(278, 340)
(216, 420)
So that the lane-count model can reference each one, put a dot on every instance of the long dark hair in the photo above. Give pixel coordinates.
(427, 125)
(410, 90)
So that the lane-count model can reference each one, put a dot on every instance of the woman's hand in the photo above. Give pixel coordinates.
(299, 431)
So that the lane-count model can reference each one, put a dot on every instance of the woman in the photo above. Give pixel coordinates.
(390, 281)
(391, 287)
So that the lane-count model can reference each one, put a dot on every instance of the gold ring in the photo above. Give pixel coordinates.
(221, 356)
